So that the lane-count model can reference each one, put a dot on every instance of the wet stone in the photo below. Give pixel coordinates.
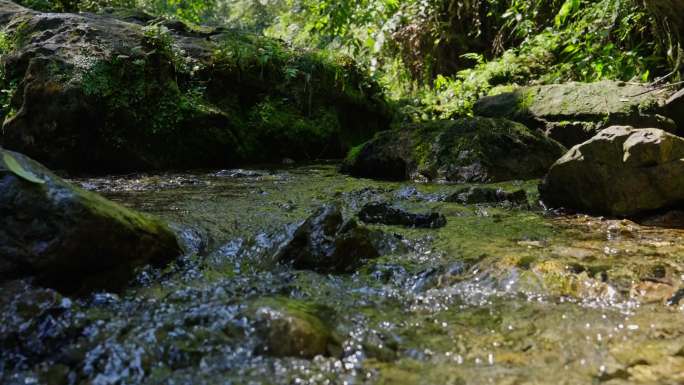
(481, 195)
(238, 173)
(386, 214)
(292, 328)
(326, 242)
(82, 241)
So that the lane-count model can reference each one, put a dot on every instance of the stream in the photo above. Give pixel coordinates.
(502, 294)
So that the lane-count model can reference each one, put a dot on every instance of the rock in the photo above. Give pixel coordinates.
(463, 150)
(292, 328)
(621, 172)
(676, 298)
(652, 292)
(476, 195)
(670, 219)
(70, 238)
(572, 113)
(239, 173)
(385, 213)
(325, 242)
(121, 92)
(674, 108)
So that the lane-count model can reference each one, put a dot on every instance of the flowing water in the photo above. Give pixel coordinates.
(500, 295)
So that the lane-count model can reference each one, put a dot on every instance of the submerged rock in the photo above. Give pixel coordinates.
(463, 150)
(574, 112)
(385, 213)
(326, 242)
(292, 328)
(68, 237)
(239, 173)
(475, 195)
(622, 171)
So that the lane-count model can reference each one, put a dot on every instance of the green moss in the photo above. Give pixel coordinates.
(463, 142)
(5, 44)
(295, 328)
(526, 99)
(137, 92)
(354, 152)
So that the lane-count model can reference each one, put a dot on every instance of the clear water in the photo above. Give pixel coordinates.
(501, 295)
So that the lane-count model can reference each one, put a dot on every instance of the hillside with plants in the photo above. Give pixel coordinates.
(436, 57)
(335, 192)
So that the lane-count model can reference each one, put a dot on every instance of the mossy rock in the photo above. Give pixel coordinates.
(144, 95)
(574, 112)
(70, 238)
(463, 150)
(294, 328)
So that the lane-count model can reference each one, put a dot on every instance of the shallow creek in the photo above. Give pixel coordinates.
(500, 295)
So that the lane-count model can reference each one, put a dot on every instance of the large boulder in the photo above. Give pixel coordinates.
(121, 91)
(572, 113)
(622, 172)
(70, 238)
(463, 150)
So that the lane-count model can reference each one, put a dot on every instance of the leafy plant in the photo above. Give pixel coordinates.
(569, 8)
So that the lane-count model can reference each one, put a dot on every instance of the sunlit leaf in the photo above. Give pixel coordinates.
(567, 10)
(18, 170)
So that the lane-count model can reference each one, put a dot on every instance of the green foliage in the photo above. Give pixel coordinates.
(98, 5)
(140, 93)
(43, 5)
(584, 41)
(186, 10)
(307, 89)
(610, 39)
(569, 8)
(79, 5)
(453, 96)
(435, 57)
(8, 87)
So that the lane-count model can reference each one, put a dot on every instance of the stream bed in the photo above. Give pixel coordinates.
(503, 294)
